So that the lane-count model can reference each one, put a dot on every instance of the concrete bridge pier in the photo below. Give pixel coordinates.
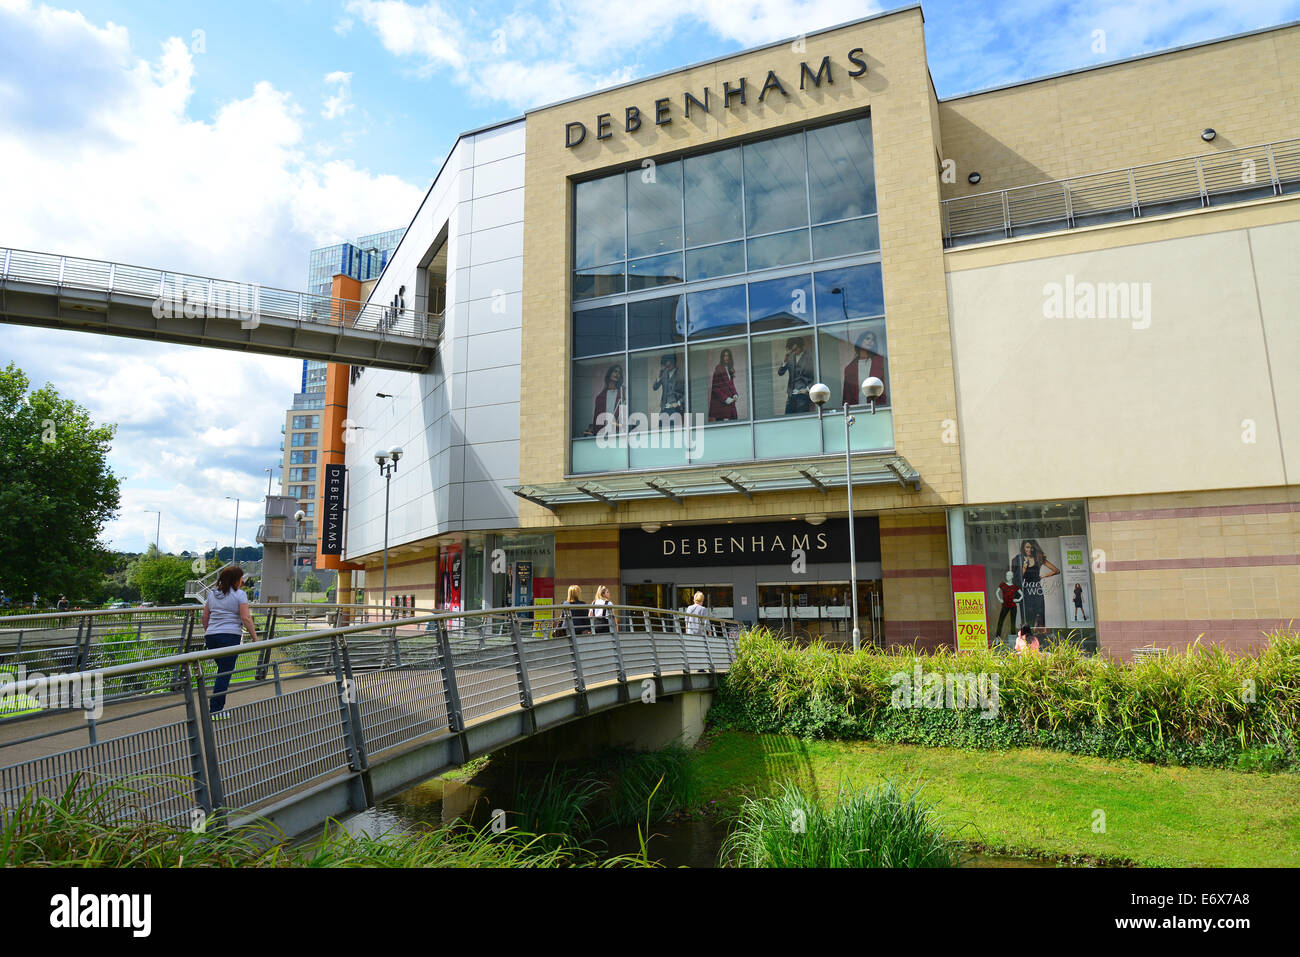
(675, 719)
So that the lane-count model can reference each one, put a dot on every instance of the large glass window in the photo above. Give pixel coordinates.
(602, 219)
(720, 287)
(776, 187)
(1037, 568)
(654, 210)
(712, 189)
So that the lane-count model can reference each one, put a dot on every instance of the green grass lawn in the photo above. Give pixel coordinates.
(1036, 801)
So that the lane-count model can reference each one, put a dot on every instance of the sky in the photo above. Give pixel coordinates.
(229, 139)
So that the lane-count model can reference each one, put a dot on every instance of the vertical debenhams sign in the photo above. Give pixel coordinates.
(331, 539)
(732, 93)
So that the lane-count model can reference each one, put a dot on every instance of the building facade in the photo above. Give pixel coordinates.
(1073, 292)
(363, 259)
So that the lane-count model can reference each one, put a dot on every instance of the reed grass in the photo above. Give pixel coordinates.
(882, 827)
(1203, 706)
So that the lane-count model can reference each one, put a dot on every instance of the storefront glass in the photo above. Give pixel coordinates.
(751, 211)
(1036, 564)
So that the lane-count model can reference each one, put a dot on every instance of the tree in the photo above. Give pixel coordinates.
(160, 578)
(56, 490)
(311, 583)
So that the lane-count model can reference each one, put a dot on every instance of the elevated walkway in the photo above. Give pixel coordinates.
(66, 292)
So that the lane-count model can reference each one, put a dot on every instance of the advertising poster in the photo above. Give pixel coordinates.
(449, 578)
(543, 596)
(1036, 566)
(1077, 590)
(970, 613)
(521, 587)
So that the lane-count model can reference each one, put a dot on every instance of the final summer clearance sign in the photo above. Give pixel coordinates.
(970, 611)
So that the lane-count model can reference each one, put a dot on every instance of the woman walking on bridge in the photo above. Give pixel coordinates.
(225, 614)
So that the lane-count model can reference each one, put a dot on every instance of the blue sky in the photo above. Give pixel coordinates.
(230, 139)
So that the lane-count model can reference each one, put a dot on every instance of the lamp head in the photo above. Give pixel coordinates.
(872, 387)
(381, 458)
(300, 516)
(820, 393)
(395, 452)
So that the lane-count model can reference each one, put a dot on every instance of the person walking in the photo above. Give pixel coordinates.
(696, 625)
(576, 616)
(600, 616)
(225, 614)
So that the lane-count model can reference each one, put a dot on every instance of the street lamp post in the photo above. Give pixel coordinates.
(268, 482)
(872, 388)
(299, 516)
(158, 529)
(387, 466)
(234, 548)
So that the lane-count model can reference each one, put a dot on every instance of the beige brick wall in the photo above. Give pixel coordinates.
(587, 558)
(917, 592)
(897, 91)
(1225, 564)
(1146, 111)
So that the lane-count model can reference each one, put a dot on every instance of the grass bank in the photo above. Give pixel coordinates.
(1032, 801)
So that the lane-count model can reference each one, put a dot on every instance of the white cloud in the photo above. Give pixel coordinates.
(103, 158)
(340, 102)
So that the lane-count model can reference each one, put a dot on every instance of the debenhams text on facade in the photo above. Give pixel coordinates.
(576, 131)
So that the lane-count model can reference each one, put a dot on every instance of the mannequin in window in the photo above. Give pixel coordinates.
(1008, 594)
(799, 366)
(865, 362)
(722, 394)
(609, 414)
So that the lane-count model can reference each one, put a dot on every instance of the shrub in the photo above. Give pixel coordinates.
(1201, 707)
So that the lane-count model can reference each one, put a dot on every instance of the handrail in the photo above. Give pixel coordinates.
(207, 293)
(1131, 192)
(153, 664)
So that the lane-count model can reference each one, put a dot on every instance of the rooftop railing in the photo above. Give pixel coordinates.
(1194, 182)
(203, 296)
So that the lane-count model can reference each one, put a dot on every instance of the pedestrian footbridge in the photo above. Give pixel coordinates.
(335, 708)
(66, 292)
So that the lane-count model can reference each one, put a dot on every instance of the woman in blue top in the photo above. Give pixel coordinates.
(225, 615)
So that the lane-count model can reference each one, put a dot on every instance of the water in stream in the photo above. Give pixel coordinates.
(693, 842)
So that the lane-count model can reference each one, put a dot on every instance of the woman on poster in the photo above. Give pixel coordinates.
(611, 401)
(1030, 568)
(865, 362)
(723, 395)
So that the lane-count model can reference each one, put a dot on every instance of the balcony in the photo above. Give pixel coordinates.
(1195, 182)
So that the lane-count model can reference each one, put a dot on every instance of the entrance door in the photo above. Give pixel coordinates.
(651, 595)
(807, 610)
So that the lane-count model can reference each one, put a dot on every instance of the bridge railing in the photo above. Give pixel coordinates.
(322, 702)
(220, 298)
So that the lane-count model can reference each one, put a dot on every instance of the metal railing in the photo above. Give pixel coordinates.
(1194, 182)
(203, 295)
(326, 703)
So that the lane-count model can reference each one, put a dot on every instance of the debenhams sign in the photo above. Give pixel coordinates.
(759, 543)
(732, 93)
